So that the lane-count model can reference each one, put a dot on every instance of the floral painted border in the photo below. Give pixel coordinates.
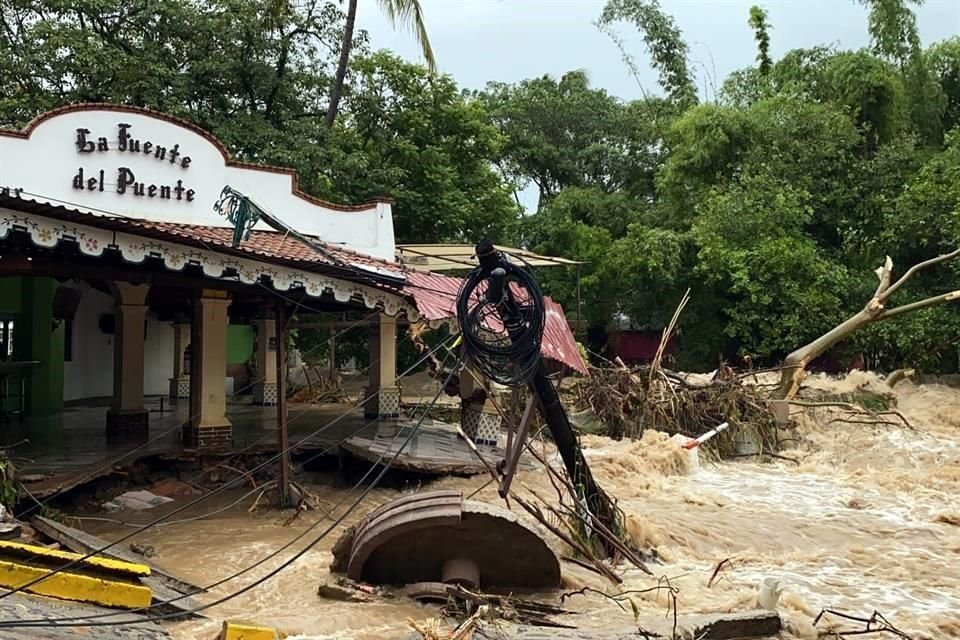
(49, 232)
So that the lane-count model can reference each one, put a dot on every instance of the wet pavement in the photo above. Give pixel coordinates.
(24, 607)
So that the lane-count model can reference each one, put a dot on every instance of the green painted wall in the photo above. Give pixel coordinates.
(36, 339)
(10, 294)
(239, 343)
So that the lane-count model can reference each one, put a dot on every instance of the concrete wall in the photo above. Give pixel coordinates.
(239, 343)
(10, 294)
(240, 339)
(50, 161)
(90, 373)
(158, 357)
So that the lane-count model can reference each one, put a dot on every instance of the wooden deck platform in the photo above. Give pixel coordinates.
(435, 449)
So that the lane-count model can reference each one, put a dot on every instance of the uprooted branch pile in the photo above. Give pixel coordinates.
(629, 401)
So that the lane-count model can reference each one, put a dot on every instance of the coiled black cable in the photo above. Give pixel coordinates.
(502, 315)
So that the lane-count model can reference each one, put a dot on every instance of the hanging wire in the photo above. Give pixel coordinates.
(283, 565)
(110, 463)
(502, 315)
(216, 491)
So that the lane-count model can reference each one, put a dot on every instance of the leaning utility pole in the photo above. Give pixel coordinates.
(500, 297)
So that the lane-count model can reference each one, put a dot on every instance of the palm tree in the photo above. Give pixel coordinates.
(405, 12)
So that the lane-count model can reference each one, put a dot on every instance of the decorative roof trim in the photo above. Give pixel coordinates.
(93, 241)
(27, 130)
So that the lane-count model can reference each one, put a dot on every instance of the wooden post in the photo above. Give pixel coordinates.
(283, 436)
(515, 447)
(333, 355)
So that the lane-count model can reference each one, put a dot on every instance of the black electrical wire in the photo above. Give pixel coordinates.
(502, 316)
(109, 464)
(238, 454)
(237, 574)
(223, 487)
(293, 558)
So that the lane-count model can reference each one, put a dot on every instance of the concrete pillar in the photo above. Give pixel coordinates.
(208, 426)
(265, 386)
(479, 417)
(127, 415)
(383, 372)
(180, 382)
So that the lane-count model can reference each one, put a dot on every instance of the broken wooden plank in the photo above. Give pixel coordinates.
(165, 587)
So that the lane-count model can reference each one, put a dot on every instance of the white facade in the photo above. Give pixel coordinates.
(117, 162)
(89, 374)
(144, 165)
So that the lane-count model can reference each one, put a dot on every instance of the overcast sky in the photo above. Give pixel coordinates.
(477, 41)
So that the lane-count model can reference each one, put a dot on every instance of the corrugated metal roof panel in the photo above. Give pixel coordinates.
(436, 299)
(460, 257)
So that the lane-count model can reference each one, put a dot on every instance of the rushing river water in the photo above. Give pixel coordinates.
(868, 520)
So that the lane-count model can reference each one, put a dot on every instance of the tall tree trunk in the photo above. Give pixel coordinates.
(345, 47)
(795, 365)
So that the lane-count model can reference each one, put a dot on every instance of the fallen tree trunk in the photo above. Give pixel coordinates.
(794, 367)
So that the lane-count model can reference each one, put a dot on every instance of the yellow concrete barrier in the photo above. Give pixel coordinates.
(241, 631)
(107, 582)
(34, 554)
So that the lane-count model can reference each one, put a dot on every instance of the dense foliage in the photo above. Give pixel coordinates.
(772, 203)
(257, 74)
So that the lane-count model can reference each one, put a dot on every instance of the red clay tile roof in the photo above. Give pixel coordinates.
(269, 245)
(434, 295)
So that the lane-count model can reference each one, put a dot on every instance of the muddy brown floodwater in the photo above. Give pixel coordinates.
(868, 520)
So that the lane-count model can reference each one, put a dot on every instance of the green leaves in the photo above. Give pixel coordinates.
(751, 242)
(668, 51)
(761, 33)
(561, 133)
(943, 61)
(413, 136)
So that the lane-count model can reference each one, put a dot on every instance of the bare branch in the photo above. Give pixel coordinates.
(920, 304)
(584, 590)
(912, 270)
(716, 570)
(884, 274)
(858, 410)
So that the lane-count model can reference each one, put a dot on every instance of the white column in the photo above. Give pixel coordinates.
(479, 417)
(265, 385)
(209, 426)
(180, 382)
(383, 372)
(127, 414)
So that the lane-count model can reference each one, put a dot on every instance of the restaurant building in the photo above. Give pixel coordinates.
(138, 259)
